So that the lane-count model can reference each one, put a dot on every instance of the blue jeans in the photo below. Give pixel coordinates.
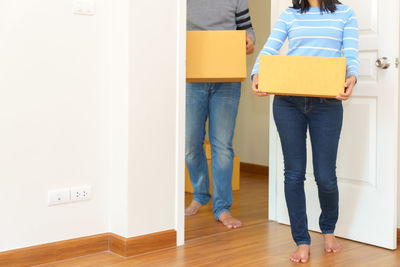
(323, 117)
(219, 102)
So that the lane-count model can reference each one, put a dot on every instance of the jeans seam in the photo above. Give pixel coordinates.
(309, 106)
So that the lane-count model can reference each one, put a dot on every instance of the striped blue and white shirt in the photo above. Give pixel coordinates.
(316, 34)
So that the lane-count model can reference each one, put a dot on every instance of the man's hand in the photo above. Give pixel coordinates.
(254, 87)
(349, 85)
(249, 44)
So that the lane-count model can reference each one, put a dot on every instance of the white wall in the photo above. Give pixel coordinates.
(119, 71)
(152, 116)
(251, 140)
(87, 100)
(53, 119)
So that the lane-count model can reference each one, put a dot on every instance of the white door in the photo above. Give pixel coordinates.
(367, 159)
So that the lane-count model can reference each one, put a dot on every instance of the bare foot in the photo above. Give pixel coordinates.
(193, 208)
(302, 254)
(331, 244)
(230, 222)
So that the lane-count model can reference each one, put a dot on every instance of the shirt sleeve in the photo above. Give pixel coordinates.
(275, 41)
(350, 45)
(243, 20)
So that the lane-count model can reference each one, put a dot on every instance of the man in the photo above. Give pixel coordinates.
(219, 102)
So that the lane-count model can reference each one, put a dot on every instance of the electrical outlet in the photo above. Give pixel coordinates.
(81, 193)
(60, 196)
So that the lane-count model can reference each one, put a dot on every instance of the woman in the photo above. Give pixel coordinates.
(323, 28)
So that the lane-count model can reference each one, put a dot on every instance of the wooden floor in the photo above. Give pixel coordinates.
(250, 205)
(258, 243)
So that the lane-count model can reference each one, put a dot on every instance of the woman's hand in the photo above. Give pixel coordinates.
(348, 85)
(254, 87)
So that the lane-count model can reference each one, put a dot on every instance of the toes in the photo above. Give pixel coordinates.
(228, 225)
(237, 225)
(231, 224)
(294, 259)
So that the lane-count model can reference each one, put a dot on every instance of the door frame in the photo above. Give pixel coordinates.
(273, 137)
(180, 122)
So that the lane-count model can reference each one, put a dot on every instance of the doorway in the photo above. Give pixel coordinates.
(377, 91)
(251, 145)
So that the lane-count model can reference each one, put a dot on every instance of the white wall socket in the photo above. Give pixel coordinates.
(84, 7)
(60, 196)
(81, 193)
(73, 194)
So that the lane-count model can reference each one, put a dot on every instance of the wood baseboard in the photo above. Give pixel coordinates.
(142, 244)
(398, 238)
(254, 168)
(56, 251)
(78, 247)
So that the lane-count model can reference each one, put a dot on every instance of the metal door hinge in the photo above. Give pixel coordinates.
(397, 62)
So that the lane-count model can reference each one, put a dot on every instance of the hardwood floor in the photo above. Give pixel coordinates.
(267, 244)
(250, 205)
(258, 243)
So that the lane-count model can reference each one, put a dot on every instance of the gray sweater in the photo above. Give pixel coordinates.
(219, 15)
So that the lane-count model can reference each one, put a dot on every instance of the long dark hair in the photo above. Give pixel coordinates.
(326, 5)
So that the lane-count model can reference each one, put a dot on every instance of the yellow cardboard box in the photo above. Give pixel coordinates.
(235, 175)
(302, 76)
(216, 56)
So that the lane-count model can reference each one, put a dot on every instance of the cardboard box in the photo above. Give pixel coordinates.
(235, 174)
(302, 76)
(216, 56)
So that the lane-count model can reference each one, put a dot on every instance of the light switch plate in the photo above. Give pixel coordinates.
(84, 7)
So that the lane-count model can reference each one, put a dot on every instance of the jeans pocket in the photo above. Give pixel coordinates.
(332, 101)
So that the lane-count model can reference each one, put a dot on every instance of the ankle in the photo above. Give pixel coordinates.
(303, 243)
(329, 236)
(223, 215)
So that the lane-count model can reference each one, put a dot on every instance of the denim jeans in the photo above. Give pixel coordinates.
(323, 117)
(219, 102)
